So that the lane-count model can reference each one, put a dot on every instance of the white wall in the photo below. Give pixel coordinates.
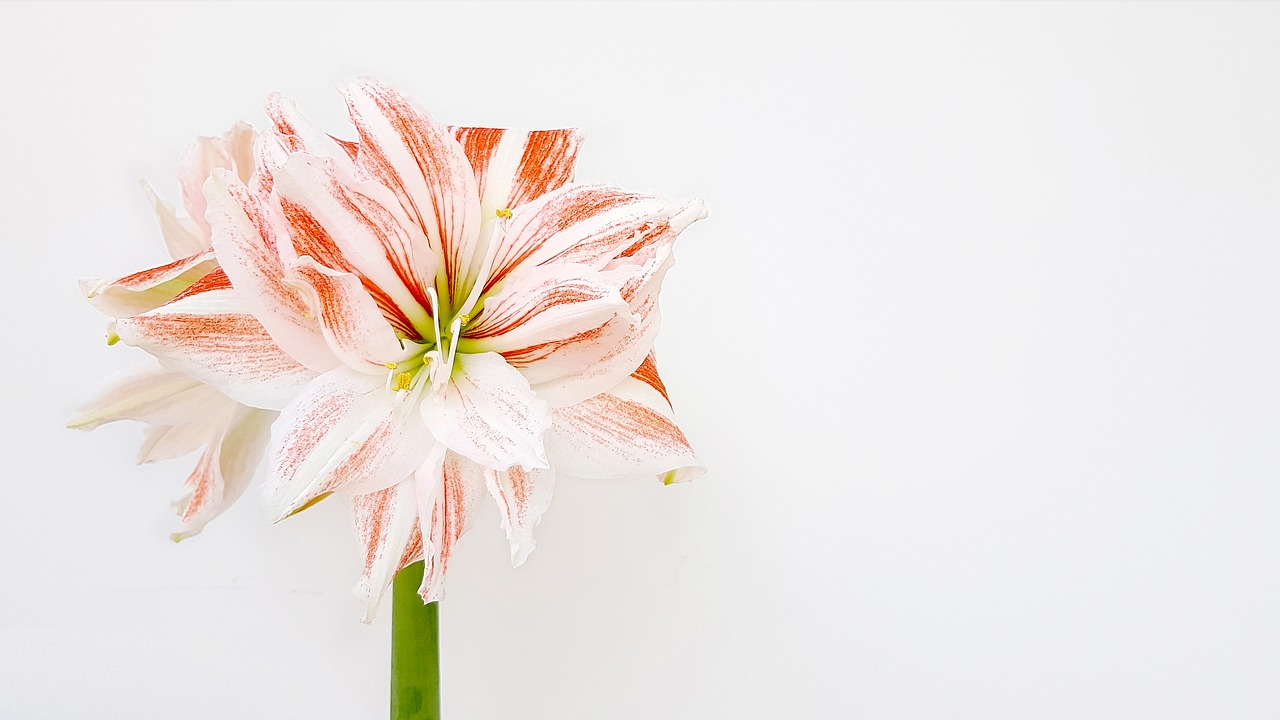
(980, 346)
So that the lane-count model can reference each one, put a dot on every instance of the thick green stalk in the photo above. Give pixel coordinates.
(415, 650)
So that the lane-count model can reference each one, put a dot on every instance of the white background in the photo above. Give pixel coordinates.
(979, 345)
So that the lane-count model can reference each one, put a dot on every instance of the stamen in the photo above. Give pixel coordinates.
(403, 381)
(391, 365)
(504, 213)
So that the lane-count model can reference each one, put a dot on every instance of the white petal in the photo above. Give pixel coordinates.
(350, 319)
(181, 235)
(550, 322)
(387, 525)
(522, 497)
(488, 413)
(148, 393)
(246, 235)
(447, 487)
(627, 432)
(342, 224)
(208, 334)
(402, 147)
(147, 289)
(225, 469)
(345, 432)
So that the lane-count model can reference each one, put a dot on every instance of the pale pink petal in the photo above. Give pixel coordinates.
(387, 525)
(340, 221)
(148, 393)
(181, 235)
(224, 470)
(346, 431)
(350, 319)
(198, 162)
(147, 289)
(551, 321)
(402, 147)
(165, 442)
(588, 224)
(513, 167)
(208, 333)
(246, 236)
(522, 496)
(447, 487)
(488, 413)
(627, 432)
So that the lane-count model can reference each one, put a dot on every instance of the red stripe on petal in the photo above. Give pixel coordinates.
(648, 374)
(547, 164)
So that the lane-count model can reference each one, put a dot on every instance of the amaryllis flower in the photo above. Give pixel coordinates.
(462, 317)
(182, 413)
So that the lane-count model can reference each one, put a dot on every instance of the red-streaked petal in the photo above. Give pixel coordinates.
(387, 525)
(627, 432)
(345, 432)
(488, 414)
(182, 236)
(147, 289)
(211, 336)
(522, 496)
(402, 147)
(544, 321)
(448, 485)
(357, 233)
(352, 323)
(148, 393)
(513, 167)
(301, 135)
(225, 469)
(588, 224)
(618, 355)
(246, 235)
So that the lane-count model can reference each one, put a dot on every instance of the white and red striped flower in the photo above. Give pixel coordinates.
(183, 413)
(456, 316)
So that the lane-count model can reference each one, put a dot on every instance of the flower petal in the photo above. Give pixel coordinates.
(181, 235)
(513, 167)
(626, 432)
(549, 322)
(232, 151)
(225, 469)
(208, 334)
(350, 319)
(522, 496)
(301, 135)
(447, 487)
(246, 236)
(341, 223)
(147, 289)
(402, 147)
(488, 414)
(165, 442)
(588, 224)
(345, 432)
(148, 393)
(619, 352)
(387, 525)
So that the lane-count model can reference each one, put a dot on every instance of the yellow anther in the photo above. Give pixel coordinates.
(464, 318)
(403, 380)
(391, 365)
(112, 339)
(504, 212)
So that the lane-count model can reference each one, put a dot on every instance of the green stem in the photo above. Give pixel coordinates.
(415, 650)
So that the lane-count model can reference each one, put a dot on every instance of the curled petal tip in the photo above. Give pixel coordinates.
(693, 211)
